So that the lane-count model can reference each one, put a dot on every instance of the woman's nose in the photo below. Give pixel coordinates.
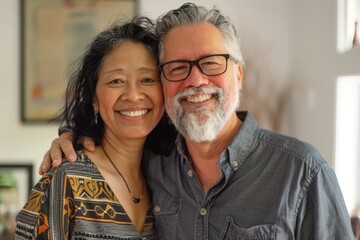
(133, 93)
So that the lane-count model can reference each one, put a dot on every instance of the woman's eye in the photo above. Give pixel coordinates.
(116, 81)
(148, 80)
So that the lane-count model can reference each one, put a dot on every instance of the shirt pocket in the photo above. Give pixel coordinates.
(166, 214)
(259, 232)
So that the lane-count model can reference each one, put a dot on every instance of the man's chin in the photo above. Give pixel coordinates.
(200, 137)
(197, 108)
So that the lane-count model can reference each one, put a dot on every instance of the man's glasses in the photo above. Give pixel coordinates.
(210, 65)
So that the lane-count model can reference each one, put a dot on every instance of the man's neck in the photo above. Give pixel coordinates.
(204, 156)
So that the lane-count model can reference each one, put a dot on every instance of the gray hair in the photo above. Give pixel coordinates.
(189, 14)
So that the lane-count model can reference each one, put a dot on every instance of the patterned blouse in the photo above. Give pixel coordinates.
(75, 202)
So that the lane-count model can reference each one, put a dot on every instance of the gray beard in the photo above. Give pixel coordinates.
(203, 124)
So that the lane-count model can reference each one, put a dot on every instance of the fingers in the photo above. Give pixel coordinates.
(65, 146)
(52, 157)
(45, 164)
(55, 153)
(88, 143)
(59, 147)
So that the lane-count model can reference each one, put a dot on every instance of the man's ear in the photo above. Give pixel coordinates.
(239, 75)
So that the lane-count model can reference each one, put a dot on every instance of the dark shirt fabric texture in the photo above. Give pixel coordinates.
(74, 201)
(272, 187)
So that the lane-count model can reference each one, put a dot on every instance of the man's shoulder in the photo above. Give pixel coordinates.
(291, 146)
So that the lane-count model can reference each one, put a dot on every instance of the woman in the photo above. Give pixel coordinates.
(115, 97)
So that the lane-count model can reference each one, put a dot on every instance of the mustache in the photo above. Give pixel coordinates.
(197, 91)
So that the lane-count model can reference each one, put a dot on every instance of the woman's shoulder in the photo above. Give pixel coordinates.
(83, 165)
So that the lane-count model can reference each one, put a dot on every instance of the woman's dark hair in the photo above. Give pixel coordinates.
(78, 113)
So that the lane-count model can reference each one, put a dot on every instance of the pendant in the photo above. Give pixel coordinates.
(136, 200)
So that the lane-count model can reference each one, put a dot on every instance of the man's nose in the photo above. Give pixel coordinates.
(196, 78)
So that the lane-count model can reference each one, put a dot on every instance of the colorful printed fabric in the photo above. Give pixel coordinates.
(75, 202)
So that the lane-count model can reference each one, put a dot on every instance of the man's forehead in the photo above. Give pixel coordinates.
(192, 41)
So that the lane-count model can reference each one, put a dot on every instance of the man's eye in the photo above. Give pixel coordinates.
(179, 69)
(209, 63)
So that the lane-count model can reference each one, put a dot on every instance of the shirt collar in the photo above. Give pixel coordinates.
(245, 141)
(241, 146)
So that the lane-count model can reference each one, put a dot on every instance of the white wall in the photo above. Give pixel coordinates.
(300, 42)
(315, 66)
(18, 142)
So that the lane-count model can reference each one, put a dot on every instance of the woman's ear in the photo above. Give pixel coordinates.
(95, 104)
(96, 109)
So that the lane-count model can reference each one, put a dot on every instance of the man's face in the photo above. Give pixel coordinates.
(200, 105)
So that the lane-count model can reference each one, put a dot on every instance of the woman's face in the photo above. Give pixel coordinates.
(128, 94)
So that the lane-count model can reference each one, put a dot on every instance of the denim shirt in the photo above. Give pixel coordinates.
(271, 187)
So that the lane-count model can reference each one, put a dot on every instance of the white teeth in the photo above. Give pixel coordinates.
(198, 98)
(137, 113)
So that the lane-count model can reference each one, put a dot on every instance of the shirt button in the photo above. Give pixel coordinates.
(203, 211)
(157, 208)
(190, 173)
(234, 163)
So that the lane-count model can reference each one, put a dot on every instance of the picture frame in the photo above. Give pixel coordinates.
(54, 34)
(22, 174)
(16, 183)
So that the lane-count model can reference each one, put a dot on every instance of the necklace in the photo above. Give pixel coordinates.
(135, 199)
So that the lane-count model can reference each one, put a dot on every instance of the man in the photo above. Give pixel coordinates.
(227, 178)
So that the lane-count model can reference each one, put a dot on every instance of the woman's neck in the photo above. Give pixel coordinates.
(126, 154)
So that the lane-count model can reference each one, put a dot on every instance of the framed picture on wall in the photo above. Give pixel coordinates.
(54, 34)
(16, 182)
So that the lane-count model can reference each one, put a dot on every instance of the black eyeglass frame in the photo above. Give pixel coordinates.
(196, 63)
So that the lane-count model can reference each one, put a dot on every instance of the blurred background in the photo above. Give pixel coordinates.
(302, 78)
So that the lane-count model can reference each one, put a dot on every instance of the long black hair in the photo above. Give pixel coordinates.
(78, 113)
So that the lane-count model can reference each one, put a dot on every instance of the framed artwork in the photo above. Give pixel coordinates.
(54, 34)
(16, 182)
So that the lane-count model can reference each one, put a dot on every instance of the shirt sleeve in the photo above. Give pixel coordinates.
(322, 212)
(47, 213)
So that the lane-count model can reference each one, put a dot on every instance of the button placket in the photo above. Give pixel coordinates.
(235, 164)
(157, 209)
(203, 211)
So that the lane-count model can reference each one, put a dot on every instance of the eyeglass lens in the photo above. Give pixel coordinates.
(209, 65)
